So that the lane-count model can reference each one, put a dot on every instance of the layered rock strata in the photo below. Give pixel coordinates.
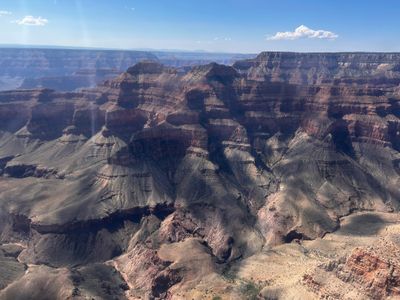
(168, 178)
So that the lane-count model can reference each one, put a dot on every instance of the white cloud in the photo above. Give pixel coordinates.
(226, 39)
(5, 13)
(304, 32)
(130, 8)
(32, 21)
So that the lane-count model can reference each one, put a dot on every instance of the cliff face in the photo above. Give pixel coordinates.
(169, 177)
(323, 68)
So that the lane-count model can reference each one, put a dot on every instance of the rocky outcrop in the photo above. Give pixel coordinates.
(374, 272)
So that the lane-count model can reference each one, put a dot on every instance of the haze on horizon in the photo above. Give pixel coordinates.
(215, 26)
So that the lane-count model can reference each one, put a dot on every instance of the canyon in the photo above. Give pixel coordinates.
(72, 69)
(275, 177)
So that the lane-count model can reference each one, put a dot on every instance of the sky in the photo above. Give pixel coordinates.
(235, 26)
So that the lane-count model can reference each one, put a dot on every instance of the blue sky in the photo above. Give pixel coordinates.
(247, 26)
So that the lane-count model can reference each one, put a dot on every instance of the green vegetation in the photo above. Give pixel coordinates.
(250, 290)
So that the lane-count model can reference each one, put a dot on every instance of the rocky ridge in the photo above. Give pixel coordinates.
(72, 69)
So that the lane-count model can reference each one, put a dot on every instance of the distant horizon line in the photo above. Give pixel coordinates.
(66, 47)
(32, 46)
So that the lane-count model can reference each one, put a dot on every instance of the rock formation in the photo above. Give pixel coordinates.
(71, 69)
(173, 184)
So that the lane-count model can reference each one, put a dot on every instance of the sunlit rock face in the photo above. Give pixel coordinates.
(166, 179)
